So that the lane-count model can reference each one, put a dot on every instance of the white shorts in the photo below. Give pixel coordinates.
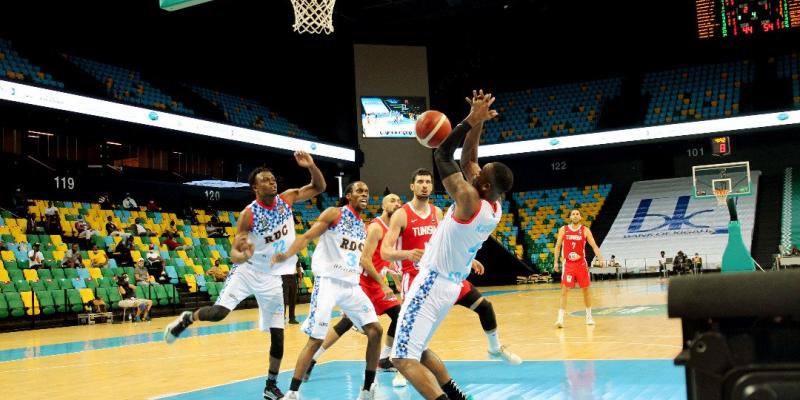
(329, 293)
(244, 280)
(428, 301)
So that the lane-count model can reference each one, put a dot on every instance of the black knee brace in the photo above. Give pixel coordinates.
(486, 314)
(214, 313)
(276, 343)
(393, 313)
(343, 326)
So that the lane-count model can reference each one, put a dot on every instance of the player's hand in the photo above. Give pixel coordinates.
(555, 266)
(480, 106)
(414, 255)
(243, 249)
(477, 267)
(388, 293)
(303, 159)
(600, 261)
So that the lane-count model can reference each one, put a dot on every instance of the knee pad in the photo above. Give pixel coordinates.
(276, 343)
(214, 313)
(393, 313)
(342, 326)
(486, 314)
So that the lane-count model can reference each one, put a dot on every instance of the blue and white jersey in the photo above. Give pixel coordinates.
(272, 232)
(338, 252)
(454, 243)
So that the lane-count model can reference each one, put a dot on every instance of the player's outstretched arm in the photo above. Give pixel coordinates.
(463, 193)
(242, 249)
(557, 249)
(590, 240)
(374, 234)
(323, 223)
(315, 187)
(389, 252)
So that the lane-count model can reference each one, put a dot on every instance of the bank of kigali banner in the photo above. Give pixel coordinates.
(662, 215)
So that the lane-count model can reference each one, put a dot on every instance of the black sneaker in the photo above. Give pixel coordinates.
(293, 321)
(385, 365)
(271, 391)
(176, 327)
(307, 375)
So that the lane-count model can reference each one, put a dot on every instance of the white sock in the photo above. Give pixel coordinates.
(494, 341)
(560, 313)
(385, 352)
(319, 353)
(589, 312)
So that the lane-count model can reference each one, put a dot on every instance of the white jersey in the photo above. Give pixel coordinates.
(338, 252)
(454, 243)
(272, 232)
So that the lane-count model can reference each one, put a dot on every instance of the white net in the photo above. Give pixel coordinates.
(313, 16)
(721, 195)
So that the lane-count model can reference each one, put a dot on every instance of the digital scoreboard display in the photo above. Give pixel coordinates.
(740, 18)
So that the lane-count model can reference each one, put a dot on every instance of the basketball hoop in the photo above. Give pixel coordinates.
(722, 195)
(313, 16)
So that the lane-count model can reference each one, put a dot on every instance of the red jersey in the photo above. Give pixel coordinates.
(574, 243)
(417, 233)
(378, 262)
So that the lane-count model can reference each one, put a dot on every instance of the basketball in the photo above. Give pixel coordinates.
(432, 128)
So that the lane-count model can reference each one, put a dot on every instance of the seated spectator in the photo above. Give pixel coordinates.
(141, 230)
(153, 206)
(35, 257)
(213, 230)
(141, 274)
(215, 271)
(155, 264)
(680, 263)
(98, 258)
(72, 257)
(171, 230)
(795, 251)
(122, 253)
(129, 203)
(612, 262)
(113, 230)
(52, 219)
(172, 245)
(128, 294)
(85, 232)
(188, 213)
(105, 201)
(697, 261)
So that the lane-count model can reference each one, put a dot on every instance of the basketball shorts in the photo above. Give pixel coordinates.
(373, 291)
(244, 280)
(329, 293)
(575, 273)
(429, 299)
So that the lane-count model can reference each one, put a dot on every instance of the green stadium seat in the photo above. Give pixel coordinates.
(15, 304)
(46, 302)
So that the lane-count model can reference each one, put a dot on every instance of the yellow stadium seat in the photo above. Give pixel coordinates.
(8, 255)
(198, 270)
(137, 241)
(136, 255)
(182, 254)
(224, 268)
(56, 239)
(30, 274)
(4, 276)
(307, 281)
(30, 302)
(211, 242)
(87, 295)
(191, 282)
(215, 254)
(95, 273)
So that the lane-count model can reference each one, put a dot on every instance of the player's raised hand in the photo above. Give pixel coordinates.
(243, 249)
(480, 105)
(303, 159)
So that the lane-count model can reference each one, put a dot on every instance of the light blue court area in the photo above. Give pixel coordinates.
(487, 380)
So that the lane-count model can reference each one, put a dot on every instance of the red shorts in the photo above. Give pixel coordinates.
(575, 272)
(409, 275)
(373, 290)
(465, 288)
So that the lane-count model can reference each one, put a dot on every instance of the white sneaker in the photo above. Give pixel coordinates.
(292, 395)
(506, 355)
(368, 394)
(560, 323)
(589, 320)
(399, 380)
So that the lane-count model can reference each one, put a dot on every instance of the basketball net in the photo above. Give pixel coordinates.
(721, 195)
(313, 16)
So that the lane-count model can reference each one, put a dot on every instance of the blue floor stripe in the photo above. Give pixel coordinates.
(488, 380)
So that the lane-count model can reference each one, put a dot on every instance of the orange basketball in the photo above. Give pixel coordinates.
(432, 128)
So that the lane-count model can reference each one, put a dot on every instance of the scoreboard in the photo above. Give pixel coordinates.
(738, 18)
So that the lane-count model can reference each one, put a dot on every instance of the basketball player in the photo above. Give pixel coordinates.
(337, 264)
(265, 227)
(391, 306)
(413, 225)
(574, 237)
(474, 215)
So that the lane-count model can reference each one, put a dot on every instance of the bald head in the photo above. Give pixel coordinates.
(391, 202)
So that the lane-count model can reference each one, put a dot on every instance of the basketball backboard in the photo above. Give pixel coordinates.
(711, 180)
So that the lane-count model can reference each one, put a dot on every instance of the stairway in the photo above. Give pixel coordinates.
(767, 229)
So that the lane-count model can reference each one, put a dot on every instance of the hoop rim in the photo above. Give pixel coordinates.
(721, 195)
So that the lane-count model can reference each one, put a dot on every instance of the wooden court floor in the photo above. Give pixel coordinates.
(130, 361)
